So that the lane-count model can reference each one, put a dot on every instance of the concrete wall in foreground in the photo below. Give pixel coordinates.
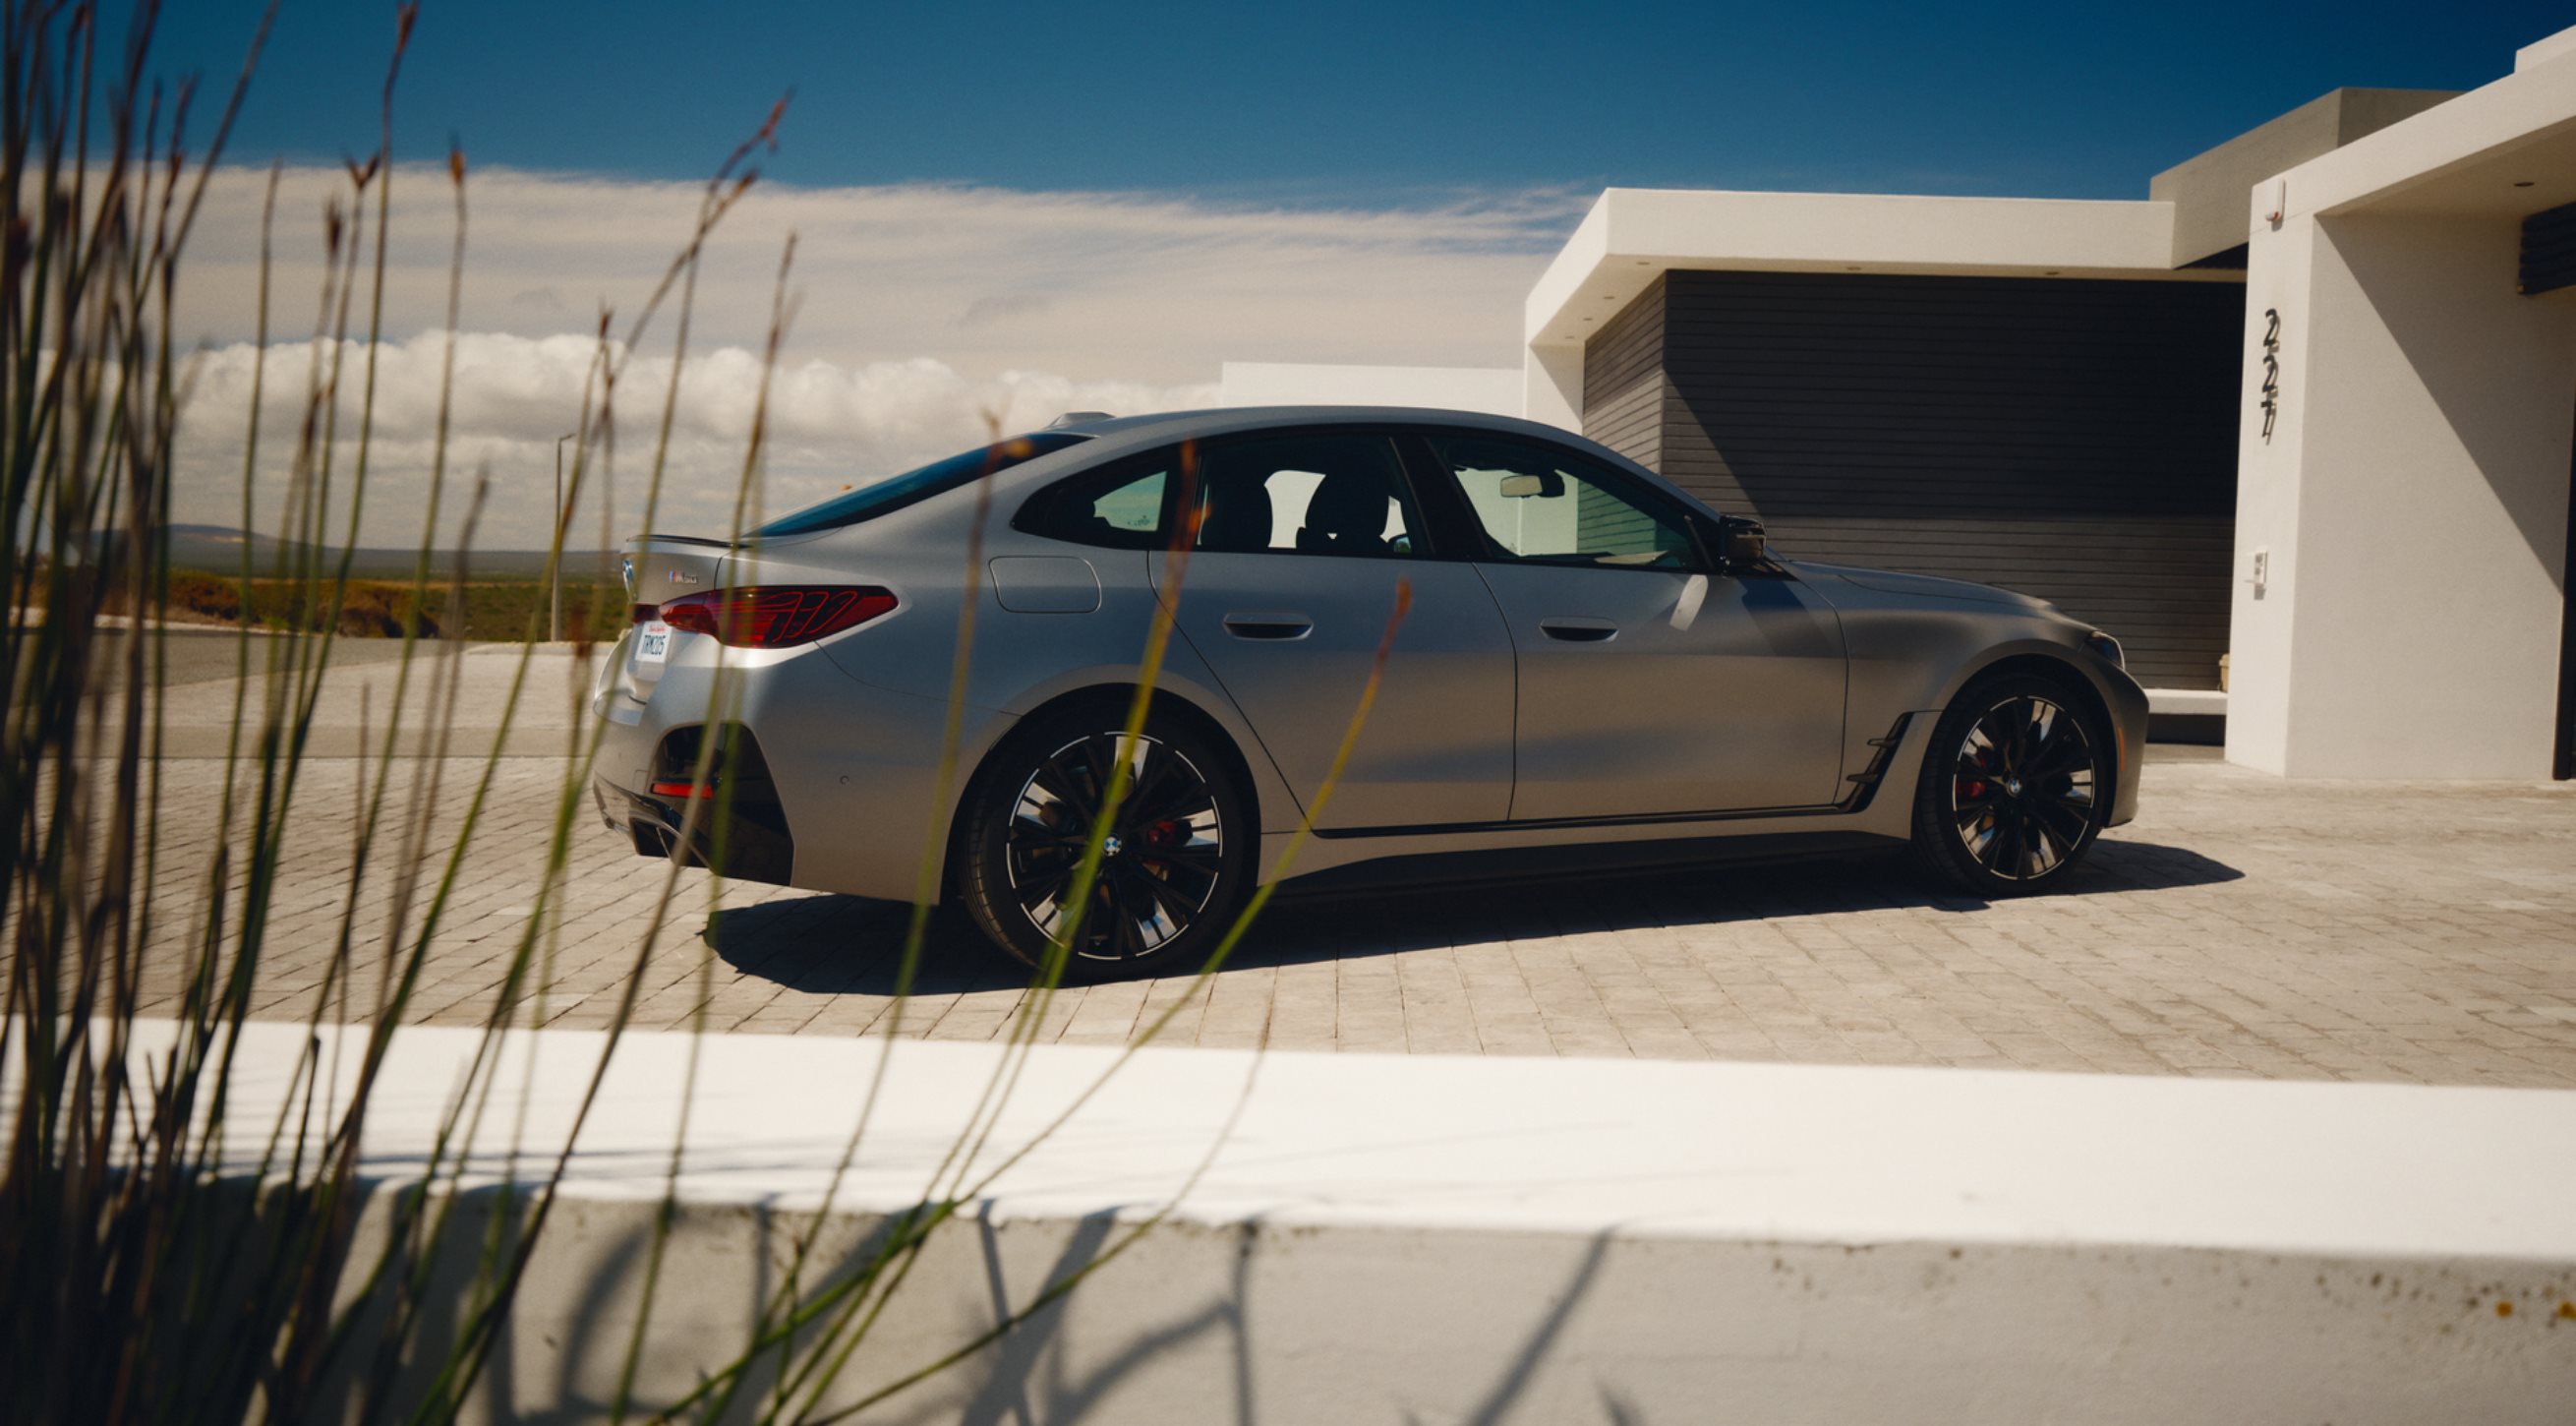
(1199, 1324)
(1437, 1239)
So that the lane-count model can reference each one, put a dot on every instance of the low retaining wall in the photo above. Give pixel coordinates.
(1391, 1238)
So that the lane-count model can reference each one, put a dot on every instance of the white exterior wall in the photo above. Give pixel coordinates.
(1552, 384)
(2267, 499)
(2557, 46)
(2412, 499)
(1911, 232)
(1633, 235)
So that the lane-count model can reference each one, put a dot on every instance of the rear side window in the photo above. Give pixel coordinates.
(1118, 506)
(912, 487)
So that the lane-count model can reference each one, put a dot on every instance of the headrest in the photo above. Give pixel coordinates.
(1349, 506)
(1238, 516)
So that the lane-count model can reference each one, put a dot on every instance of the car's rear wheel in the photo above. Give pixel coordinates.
(2015, 787)
(1174, 867)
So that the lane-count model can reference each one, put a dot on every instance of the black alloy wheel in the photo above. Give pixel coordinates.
(1171, 859)
(2014, 789)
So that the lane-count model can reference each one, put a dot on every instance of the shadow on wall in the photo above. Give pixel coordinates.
(2494, 363)
(828, 945)
(1239, 1321)
(1173, 1336)
(1024, 1379)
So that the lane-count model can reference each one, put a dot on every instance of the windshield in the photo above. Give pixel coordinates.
(893, 493)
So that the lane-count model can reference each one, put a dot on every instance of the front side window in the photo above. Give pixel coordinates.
(1542, 505)
(912, 487)
(1316, 495)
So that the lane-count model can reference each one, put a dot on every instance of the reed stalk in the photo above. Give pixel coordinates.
(163, 1257)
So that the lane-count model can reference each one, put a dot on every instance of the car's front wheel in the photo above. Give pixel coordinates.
(1175, 864)
(2015, 787)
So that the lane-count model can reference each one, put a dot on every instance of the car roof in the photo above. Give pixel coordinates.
(1110, 438)
(1118, 436)
(1218, 420)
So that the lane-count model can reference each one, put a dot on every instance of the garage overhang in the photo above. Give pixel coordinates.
(2507, 149)
(2208, 190)
(1634, 235)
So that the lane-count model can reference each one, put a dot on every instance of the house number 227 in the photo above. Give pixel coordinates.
(2271, 368)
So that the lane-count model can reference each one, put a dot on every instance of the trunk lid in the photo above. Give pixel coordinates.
(659, 569)
(664, 567)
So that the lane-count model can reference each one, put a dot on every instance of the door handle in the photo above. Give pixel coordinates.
(1579, 631)
(1269, 627)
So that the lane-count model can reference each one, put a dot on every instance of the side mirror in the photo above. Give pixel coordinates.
(1741, 545)
(1545, 485)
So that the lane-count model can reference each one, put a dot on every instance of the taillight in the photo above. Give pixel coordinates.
(777, 616)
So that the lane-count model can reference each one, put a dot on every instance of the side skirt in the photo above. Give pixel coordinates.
(1579, 861)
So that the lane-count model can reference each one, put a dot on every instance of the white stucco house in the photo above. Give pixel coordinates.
(2297, 425)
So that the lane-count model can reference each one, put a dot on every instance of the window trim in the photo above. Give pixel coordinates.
(1620, 483)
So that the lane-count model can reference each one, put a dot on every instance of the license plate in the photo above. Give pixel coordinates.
(653, 643)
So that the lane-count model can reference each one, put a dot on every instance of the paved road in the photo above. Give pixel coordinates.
(2244, 926)
(359, 693)
(213, 655)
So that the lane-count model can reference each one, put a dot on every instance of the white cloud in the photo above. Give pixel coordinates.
(920, 309)
(831, 425)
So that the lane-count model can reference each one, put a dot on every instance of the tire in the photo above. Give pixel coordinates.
(2015, 787)
(1174, 873)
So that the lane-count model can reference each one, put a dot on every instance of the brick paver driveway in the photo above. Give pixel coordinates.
(2243, 926)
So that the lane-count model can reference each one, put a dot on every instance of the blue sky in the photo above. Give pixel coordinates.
(1341, 103)
(1007, 213)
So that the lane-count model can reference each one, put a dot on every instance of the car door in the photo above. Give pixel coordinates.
(1648, 684)
(1303, 539)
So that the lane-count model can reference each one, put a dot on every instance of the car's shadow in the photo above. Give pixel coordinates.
(827, 944)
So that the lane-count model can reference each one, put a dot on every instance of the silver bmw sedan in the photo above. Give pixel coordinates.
(1593, 668)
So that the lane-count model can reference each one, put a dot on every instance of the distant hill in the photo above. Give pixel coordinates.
(217, 549)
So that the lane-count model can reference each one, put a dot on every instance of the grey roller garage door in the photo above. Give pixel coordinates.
(2071, 439)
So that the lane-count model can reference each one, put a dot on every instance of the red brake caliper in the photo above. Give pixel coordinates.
(1164, 835)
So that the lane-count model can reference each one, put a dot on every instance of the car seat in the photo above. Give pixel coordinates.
(1346, 516)
(1237, 517)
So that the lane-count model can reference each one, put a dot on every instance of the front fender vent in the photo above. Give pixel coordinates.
(1865, 782)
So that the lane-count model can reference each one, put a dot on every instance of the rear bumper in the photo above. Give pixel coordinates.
(745, 843)
(851, 771)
